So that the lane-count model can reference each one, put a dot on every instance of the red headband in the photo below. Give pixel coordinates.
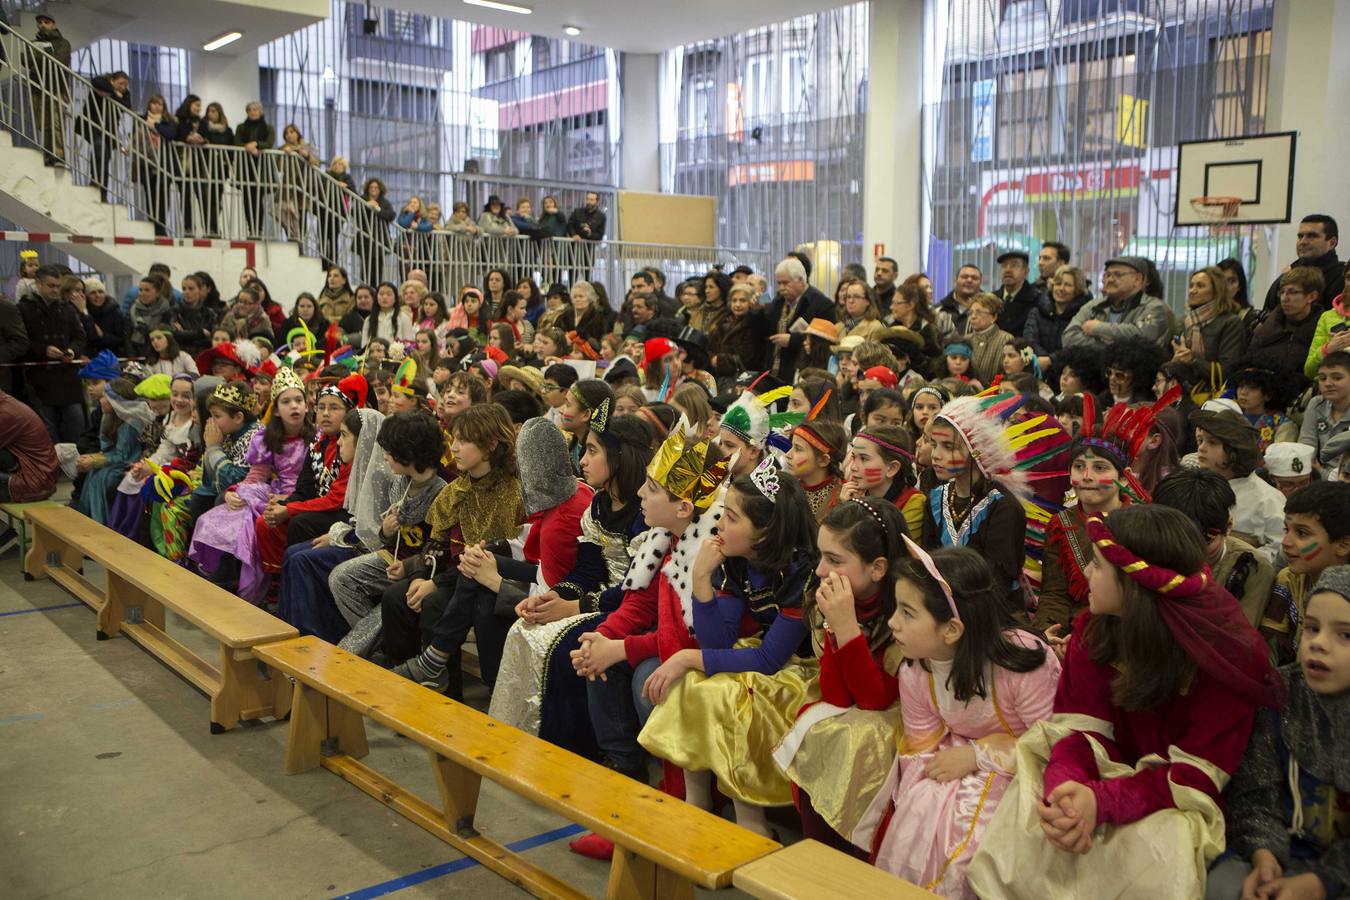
(1144, 573)
(813, 439)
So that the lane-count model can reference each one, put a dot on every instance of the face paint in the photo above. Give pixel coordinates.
(1310, 552)
(871, 475)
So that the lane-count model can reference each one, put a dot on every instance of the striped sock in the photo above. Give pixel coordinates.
(433, 661)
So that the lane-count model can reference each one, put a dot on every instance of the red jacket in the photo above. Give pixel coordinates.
(552, 541)
(23, 434)
(852, 675)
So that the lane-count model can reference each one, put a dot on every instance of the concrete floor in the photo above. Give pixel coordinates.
(112, 786)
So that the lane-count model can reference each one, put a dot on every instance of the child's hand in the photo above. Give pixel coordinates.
(596, 655)
(657, 686)
(84, 462)
(1069, 815)
(710, 558)
(1298, 887)
(139, 470)
(323, 540)
(419, 590)
(234, 502)
(1265, 869)
(211, 435)
(834, 596)
(849, 490)
(951, 764)
(1054, 636)
(389, 524)
(395, 570)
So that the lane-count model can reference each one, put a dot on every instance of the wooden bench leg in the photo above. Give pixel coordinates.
(117, 596)
(632, 877)
(321, 726)
(243, 693)
(459, 794)
(35, 562)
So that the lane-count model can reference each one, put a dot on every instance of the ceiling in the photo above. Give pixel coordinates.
(637, 26)
(188, 23)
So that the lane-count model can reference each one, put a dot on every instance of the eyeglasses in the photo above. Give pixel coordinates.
(1292, 292)
(546, 387)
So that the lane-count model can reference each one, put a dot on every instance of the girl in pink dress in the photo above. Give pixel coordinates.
(972, 682)
(274, 459)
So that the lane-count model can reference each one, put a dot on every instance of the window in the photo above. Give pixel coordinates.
(381, 100)
(499, 63)
(699, 106)
(758, 96)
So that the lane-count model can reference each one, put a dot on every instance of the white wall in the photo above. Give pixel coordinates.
(641, 130)
(231, 81)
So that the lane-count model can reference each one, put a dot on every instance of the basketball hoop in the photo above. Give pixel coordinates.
(1219, 211)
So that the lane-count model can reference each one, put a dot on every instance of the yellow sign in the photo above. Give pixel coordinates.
(1132, 121)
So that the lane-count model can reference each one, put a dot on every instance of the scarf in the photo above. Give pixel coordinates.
(1196, 318)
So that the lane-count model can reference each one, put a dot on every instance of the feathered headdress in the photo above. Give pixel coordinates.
(405, 379)
(751, 417)
(1121, 434)
(687, 466)
(1002, 449)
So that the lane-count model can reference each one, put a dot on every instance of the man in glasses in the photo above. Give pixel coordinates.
(1124, 311)
(1318, 236)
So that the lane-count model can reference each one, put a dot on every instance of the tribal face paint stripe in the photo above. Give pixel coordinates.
(1310, 552)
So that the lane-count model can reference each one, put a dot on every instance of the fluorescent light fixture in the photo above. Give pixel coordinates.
(571, 30)
(228, 37)
(501, 7)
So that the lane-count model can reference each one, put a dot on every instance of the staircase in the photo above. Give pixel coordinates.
(47, 199)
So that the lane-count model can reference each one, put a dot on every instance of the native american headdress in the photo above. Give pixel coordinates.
(753, 417)
(1121, 434)
(1001, 448)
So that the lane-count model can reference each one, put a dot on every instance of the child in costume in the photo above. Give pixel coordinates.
(1118, 793)
(839, 751)
(275, 458)
(1257, 391)
(1227, 444)
(878, 465)
(390, 512)
(815, 460)
(555, 502)
(1316, 537)
(537, 688)
(748, 582)
(1099, 472)
(304, 598)
(1207, 499)
(1287, 806)
(126, 416)
(752, 426)
(317, 502)
(171, 401)
(971, 684)
(482, 505)
(581, 402)
(982, 465)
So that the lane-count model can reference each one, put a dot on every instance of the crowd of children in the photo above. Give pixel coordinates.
(1004, 624)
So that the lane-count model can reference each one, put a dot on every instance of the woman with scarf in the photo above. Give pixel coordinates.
(152, 310)
(1213, 331)
(148, 147)
(337, 297)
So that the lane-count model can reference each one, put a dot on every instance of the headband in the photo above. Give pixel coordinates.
(886, 445)
(332, 390)
(654, 420)
(922, 556)
(872, 512)
(576, 394)
(1144, 573)
(936, 390)
(815, 440)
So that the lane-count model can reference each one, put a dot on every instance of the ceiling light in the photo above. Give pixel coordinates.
(228, 37)
(502, 7)
(571, 30)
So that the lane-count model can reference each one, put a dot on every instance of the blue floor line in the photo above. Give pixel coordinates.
(457, 865)
(24, 612)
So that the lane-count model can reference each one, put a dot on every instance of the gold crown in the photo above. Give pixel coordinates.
(685, 469)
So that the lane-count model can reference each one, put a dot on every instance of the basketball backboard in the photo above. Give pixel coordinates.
(1257, 170)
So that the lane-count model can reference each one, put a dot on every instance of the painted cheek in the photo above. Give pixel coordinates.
(1311, 551)
(871, 475)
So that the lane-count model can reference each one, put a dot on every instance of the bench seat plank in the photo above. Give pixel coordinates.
(690, 842)
(809, 870)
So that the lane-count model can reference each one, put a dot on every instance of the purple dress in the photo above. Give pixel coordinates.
(222, 531)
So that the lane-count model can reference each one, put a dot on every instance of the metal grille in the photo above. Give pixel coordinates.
(770, 121)
(1060, 120)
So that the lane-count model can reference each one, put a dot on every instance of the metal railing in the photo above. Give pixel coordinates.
(205, 190)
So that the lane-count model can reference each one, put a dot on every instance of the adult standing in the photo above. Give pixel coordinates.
(13, 341)
(50, 88)
(105, 328)
(1053, 254)
(1046, 324)
(99, 121)
(255, 134)
(150, 148)
(56, 342)
(337, 192)
(216, 166)
(954, 309)
(372, 231)
(796, 299)
(1020, 297)
(1124, 311)
(586, 224)
(1318, 236)
(883, 277)
(910, 309)
(300, 164)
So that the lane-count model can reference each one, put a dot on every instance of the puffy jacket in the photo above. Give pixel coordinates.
(1143, 317)
(1045, 327)
(1282, 346)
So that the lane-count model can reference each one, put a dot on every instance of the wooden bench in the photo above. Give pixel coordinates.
(664, 847)
(17, 515)
(809, 870)
(140, 585)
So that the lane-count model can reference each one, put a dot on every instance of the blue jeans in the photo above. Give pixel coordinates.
(618, 711)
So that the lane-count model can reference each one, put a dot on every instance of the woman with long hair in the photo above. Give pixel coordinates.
(372, 230)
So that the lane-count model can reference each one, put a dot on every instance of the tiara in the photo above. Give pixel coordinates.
(765, 478)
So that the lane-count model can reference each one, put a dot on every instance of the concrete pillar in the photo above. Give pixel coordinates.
(892, 173)
(231, 81)
(640, 132)
(1309, 71)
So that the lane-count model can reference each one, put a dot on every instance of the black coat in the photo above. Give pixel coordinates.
(52, 325)
(1282, 346)
(812, 304)
(1044, 328)
(1018, 307)
(99, 114)
(1333, 279)
(112, 323)
(582, 217)
(188, 324)
(13, 341)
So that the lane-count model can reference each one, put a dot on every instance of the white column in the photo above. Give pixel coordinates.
(892, 185)
(231, 81)
(641, 133)
(1309, 73)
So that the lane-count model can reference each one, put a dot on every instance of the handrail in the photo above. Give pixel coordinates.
(220, 191)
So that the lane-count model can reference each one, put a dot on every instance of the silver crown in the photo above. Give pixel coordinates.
(765, 478)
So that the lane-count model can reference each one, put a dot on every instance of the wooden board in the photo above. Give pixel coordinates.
(809, 870)
(227, 618)
(673, 219)
(688, 841)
